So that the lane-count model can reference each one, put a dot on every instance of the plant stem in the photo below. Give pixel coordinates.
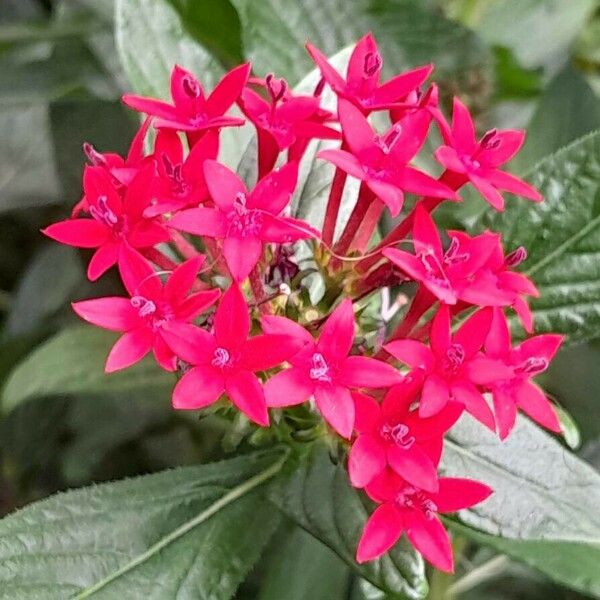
(478, 575)
(365, 198)
(159, 259)
(333, 204)
(222, 502)
(367, 228)
(258, 290)
(186, 249)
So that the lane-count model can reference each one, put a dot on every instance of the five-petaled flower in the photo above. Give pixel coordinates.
(446, 367)
(507, 373)
(192, 111)
(245, 220)
(324, 370)
(392, 434)
(150, 311)
(115, 220)
(414, 511)
(381, 161)
(362, 86)
(478, 162)
(227, 360)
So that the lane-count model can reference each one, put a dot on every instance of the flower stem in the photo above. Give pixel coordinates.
(367, 227)
(258, 290)
(453, 180)
(185, 248)
(365, 198)
(159, 259)
(333, 204)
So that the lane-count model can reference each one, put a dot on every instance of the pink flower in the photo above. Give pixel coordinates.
(287, 121)
(406, 508)
(478, 162)
(446, 274)
(446, 366)
(507, 372)
(362, 86)
(180, 182)
(191, 110)
(392, 434)
(245, 220)
(324, 370)
(226, 360)
(151, 310)
(381, 161)
(115, 220)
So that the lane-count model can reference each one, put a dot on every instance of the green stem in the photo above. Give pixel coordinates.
(492, 568)
(228, 498)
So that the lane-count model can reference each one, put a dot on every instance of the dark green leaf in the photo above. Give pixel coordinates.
(72, 363)
(44, 289)
(562, 237)
(318, 497)
(192, 532)
(216, 25)
(299, 567)
(567, 110)
(512, 80)
(545, 502)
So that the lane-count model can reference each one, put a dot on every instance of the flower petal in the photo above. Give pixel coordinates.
(114, 313)
(264, 352)
(182, 279)
(382, 531)
(274, 191)
(191, 343)
(366, 413)
(227, 91)
(247, 394)
(412, 353)
(435, 396)
(242, 254)
(414, 465)
(200, 221)
(532, 400)
(223, 184)
(505, 411)
(103, 259)
(337, 407)
(456, 494)
(288, 388)
(201, 386)
(337, 333)
(365, 460)
(130, 348)
(283, 325)
(81, 233)
(463, 130)
(345, 161)
(232, 319)
(473, 332)
(138, 276)
(474, 402)
(430, 538)
(514, 185)
(363, 371)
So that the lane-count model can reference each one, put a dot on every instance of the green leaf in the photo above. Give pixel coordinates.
(317, 496)
(27, 171)
(545, 500)
(151, 40)
(539, 32)
(567, 110)
(72, 363)
(216, 25)
(192, 532)
(275, 31)
(43, 290)
(562, 238)
(299, 567)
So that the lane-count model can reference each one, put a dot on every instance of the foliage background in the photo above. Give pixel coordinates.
(533, 63)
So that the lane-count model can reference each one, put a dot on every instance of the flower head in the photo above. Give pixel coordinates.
(405, 508)
(507, 372)
(446, 366)
(115, 219)
(478, 161)
(150, 311)
(245, 220)
(392, 433)
(362, 85)
(381, 161)
(192, 110)
(226, 360)
(325, 370)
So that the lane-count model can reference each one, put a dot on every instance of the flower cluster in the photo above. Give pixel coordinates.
(215, 293)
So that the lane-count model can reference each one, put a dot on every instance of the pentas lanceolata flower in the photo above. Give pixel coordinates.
(185, 230)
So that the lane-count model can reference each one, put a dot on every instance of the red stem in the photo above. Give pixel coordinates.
(453, 180)
(258, 290)
(365, 198)
(159, 259)
(186, 249)
(367, 227)
(333, 203)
